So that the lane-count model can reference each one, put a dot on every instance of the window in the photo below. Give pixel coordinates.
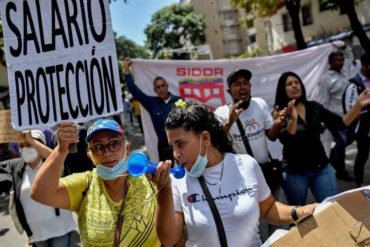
(287, 23)
(306, 15)
(250, 23)
(232, 47)
(229, 15)
(252, 38)
(231, 32)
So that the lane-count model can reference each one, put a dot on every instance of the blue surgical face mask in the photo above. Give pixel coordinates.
(111, 173)
(200, 164)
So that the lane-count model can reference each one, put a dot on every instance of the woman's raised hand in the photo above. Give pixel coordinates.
(67, 134)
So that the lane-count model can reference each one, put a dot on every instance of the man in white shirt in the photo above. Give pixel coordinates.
(331, 88)
(255, 118)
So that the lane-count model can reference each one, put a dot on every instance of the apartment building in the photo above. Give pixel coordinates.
(224, 33)
(319, 24)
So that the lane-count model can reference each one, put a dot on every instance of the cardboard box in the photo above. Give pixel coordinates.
(346, 222)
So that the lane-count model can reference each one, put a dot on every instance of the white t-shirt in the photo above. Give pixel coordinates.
(331, 88)
(255, 120)
(41, 219)
(242, 188)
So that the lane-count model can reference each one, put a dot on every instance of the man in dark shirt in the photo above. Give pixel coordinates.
(158, 107)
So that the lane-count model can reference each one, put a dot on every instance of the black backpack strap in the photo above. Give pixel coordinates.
(244, 137)
(215, 213)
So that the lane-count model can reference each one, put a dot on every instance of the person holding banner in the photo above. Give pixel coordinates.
(307, 165)
(113, 209)
(158, 106)
(223, 194)
(44, 225)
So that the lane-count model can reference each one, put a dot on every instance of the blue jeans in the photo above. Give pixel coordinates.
(338, 152)
(62, 241)
(322, 184)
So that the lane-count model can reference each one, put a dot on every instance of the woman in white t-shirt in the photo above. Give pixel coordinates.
(235, 182)
(44, 225)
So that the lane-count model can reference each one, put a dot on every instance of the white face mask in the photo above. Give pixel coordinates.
(200, 164)
(29, 154)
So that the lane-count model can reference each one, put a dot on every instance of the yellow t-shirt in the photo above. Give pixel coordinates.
(97, 213)
(136, 106)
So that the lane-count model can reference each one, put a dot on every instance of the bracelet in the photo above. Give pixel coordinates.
(293, 213)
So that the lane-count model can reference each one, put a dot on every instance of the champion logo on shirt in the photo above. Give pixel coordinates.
(193, 198)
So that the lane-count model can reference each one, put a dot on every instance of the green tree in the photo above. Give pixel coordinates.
(173, 26)
(128, 48)
(263, 8)
(348, 7)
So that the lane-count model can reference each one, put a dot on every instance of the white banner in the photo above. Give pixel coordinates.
(61, 59)
(205, 81)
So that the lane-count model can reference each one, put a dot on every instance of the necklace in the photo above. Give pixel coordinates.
(219, 182)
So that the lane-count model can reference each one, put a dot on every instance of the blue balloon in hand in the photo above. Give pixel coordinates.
(139, 164)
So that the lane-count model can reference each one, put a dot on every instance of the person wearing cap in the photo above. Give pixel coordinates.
(44, 225)
(254, 115)
(113, 208)
(158, 107)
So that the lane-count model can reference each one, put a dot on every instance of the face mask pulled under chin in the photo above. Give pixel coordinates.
(199, 166)
(28, 154)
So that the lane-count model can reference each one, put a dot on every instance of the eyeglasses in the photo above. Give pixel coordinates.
(112, 146)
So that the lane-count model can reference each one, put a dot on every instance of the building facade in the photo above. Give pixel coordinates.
(275, 33)
(224, 33)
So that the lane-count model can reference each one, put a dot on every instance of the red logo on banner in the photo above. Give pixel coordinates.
(206, 90)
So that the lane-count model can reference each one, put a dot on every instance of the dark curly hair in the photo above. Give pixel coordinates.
(281, 99)
(197, 118)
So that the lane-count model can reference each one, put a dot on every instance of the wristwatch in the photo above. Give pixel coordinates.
(293, 213)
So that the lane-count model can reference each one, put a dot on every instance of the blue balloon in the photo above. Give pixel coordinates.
(139, 164)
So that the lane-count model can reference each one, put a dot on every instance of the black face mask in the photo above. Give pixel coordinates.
(244, 105)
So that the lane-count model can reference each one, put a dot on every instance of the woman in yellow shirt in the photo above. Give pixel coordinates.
(104, 197)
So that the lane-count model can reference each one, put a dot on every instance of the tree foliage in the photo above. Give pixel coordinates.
(173, 26)
(263, 8)
(128, 48)
(258, 8)
(348, 7)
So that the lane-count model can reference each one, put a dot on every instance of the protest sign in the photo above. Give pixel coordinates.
(62, 63)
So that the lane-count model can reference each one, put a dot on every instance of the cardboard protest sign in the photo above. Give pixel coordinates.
(7, 132)
(62, 63)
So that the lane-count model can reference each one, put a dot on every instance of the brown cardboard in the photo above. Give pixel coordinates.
(344, 223)
(7, 132)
